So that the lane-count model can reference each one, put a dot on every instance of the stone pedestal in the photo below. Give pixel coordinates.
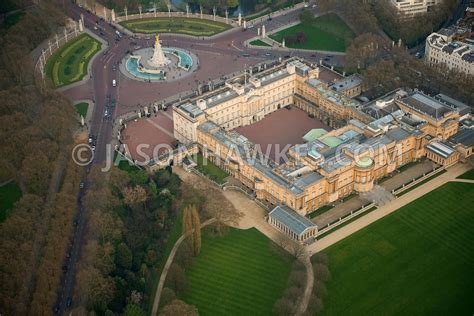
(158, 59)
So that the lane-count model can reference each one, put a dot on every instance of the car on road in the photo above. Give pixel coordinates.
(56, 308)
(114, 83)
(246, 55)
(268, 54)
(250, 27)
(69, 302)
(81, 186)
(114, 68)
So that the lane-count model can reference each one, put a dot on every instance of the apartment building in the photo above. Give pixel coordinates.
(442, 49)
(411, 8)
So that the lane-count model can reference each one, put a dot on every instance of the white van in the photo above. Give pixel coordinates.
(114, 83)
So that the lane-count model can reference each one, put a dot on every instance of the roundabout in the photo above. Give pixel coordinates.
(155, 64)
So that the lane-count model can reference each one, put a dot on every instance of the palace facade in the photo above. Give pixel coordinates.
(370, 141)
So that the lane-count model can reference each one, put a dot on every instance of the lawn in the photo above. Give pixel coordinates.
(327, 32)
(237, 274)
(189, 26)
(210, 169)
(416, 261)
(69, 63)
(469, 175)
(125, 165)
(9, 194)
(81, 108)
(259, 43)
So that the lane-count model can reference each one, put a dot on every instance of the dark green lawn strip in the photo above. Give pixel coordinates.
(259, 43)
(421, 183)
(9, 194)
(189, 26)
(416, 261)
(237, 274)
(469, 175)
(323, 209)
(210, 169)
(347, 222)
(81, 108)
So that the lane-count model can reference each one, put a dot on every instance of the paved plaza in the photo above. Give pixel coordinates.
(281, 130)
(149, 135)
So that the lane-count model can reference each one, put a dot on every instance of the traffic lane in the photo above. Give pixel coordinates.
(106, 93)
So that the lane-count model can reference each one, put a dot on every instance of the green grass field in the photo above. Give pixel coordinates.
(210, 169)
(237, 274)
(69, 63)
(327, 32)
(9, 194)
(416, 261)
(81, 108)
(259, 43)
(189, 26)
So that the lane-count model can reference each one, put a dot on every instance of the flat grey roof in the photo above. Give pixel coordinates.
(464, 136)
(440, 148)
(294, 221)
(427, 105)
(347, 83)
(308, 179)
(191, 109)
(398, 134)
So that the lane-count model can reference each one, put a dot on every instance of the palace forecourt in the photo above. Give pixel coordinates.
(369, 140)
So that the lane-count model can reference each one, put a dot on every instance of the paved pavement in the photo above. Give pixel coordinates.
(339, 210)
(364, 221)
(413, 172)
(396, 181)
